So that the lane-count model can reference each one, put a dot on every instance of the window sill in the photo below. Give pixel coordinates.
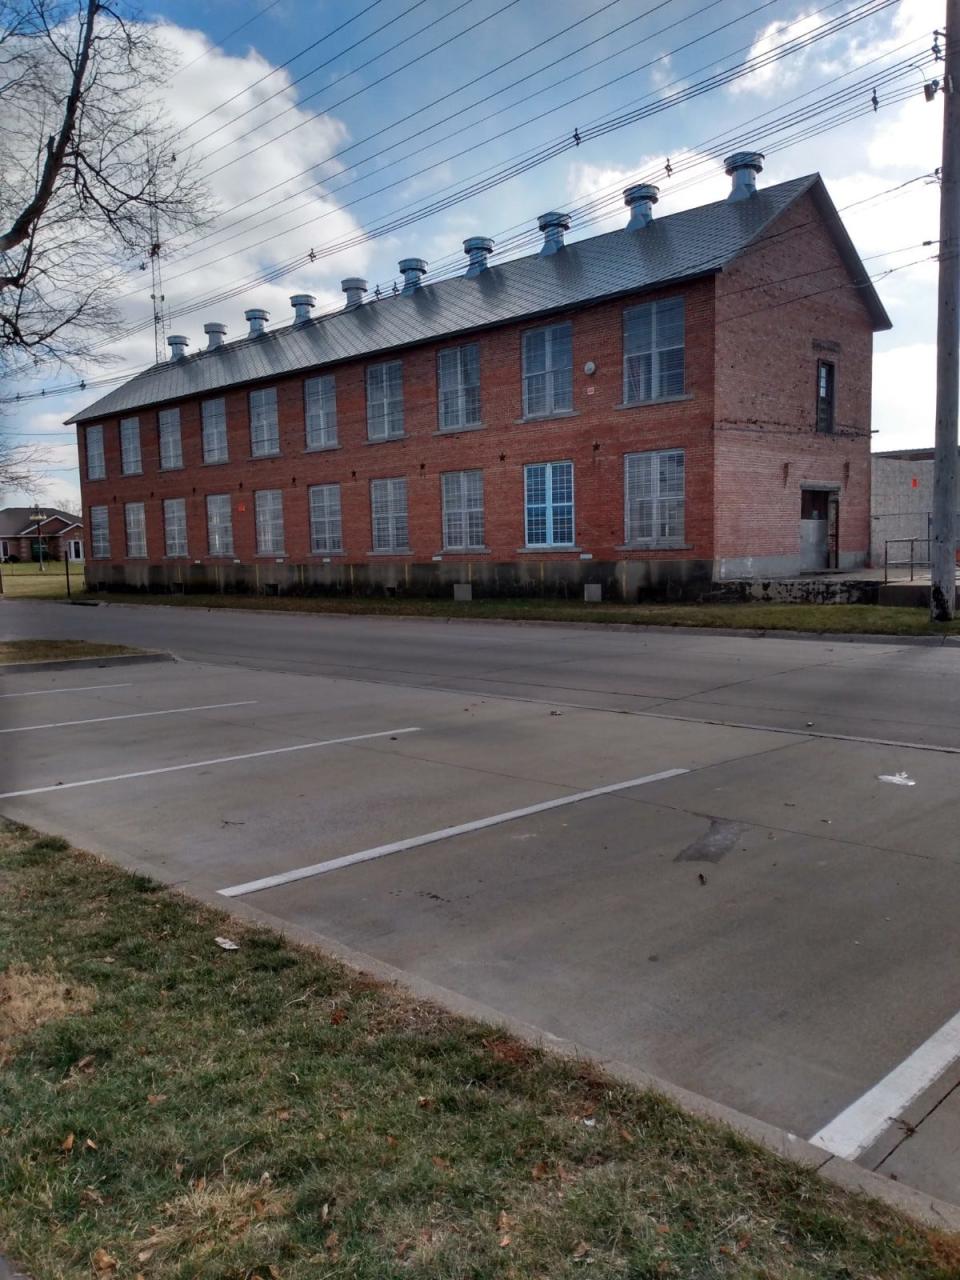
(646, 404)
(178, 467)
(258, 457)
(184, 556)
(326, 555)
(455, 431)
(548, 417)
(390, 555)
(270, 555)
(463, 551)
(654, 546)
(321, 448)
(553, 547)
(214, 462)
(388, 439)
(125, 475)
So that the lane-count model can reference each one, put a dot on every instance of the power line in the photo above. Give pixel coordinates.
(219, 41)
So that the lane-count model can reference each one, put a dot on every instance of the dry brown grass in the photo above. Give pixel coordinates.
(31, 997)
(210, 1216)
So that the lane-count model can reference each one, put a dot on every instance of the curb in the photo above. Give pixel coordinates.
(72, 664)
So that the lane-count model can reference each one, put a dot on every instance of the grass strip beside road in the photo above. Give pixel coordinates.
(54, 650)
(850, 619)
(25, 581)
(171, 1109)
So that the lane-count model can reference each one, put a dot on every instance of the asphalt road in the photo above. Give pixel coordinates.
(720, 886)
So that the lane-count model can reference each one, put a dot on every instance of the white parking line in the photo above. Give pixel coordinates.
(103, 720)
(398, 846)
(859, 1126)
(77, 688)
(202, 764)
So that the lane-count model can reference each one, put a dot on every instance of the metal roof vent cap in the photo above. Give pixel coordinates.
(355, 287)
(178, 346)
(258, 321)
(640, 200)
(478, 249)
(303, 304)
(553, 225)
(215, 332)
(412, 269)
(743, 167)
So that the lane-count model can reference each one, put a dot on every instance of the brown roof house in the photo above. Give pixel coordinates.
(22, 533)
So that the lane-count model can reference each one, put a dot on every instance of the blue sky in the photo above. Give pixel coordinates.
(634, 54)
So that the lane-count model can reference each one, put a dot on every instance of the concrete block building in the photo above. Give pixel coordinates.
(680, 402)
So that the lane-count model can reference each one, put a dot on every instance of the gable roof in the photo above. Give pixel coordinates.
(680, 246)
(15, 522)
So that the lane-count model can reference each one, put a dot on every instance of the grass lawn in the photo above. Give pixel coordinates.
(26, 581)
(170, 1109)
(859, 619)
(52, 650)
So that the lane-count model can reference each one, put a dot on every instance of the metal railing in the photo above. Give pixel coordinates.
(913, 560)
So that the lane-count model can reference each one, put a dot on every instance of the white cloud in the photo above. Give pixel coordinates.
(904, 395)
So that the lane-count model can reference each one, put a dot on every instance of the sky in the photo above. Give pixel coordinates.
(401, 103)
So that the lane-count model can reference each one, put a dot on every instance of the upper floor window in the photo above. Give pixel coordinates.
(264, 425)
(388, 509)
(96, 462)
(136, 530)
(548, 370)
(100, 533)
(131, 462)
(269, 512)
(385, 400)
(826, 377)
(175, 526)
(171, 449)
(463, 510)
(654, 500)
(458, 374)
(549, 504)
(219, 525)
(653, 351)
(320, 411)
(214, 432)
(326, 532)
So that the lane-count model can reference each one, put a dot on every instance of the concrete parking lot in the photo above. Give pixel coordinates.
(699, 870)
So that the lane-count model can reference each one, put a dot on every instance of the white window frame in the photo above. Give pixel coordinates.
(464, 517)
(326, 519)
(264, 423)
(135, 529)
(458, 387)
(219, 530)
(320, 412)
(555, 379)
(652, 498)
(100, 533)
(169, 440)
(550, 504)
(4, 548)
(268, 509)
(131, 454)
(390, 524)
(75, 549)
(95, 454)
(660, 352)
(175, 527)
(213, 431)
(385, 400)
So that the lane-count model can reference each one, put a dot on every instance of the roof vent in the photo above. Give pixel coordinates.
(258, 321)
(743, 167)
(354, 288)
(178, 346)
(553, 225)
(478, 249)
(214, 331)
(303, 304)
(640, 201)
(413, 269)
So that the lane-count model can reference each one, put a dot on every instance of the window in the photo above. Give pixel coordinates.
(96, 463)
(136, 530)
(549, 504)
(388, 508)
(264, 428)
(458, 373)
(214, 414)
(100, 533)
(4, 549)
(654, 497)
(463, 510)
(131, 463)
(385, 400)
(219, 524)
(175, 526)
(171, 450)
(826, 376)
(269, 506)
(548, 371)
(320, 411)
(653, 350)
(326, 533)
(76, 549)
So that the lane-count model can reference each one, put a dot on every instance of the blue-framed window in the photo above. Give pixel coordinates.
(548, 501)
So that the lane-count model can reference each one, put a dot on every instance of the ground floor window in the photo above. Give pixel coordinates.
(654, 498)
(548, 489)
(463, 510)
(136, 528)
(100, 533)
(269, 511)
(388, 510)
(326, 530)
(175, 526)
(219, 525)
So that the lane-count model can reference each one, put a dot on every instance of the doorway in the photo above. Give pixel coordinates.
(819, 530)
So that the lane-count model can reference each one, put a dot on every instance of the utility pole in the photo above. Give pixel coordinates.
(943, 551)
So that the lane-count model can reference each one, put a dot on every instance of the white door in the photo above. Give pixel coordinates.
(76, 549)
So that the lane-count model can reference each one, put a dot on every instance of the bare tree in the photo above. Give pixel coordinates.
(21, 469)
(89, 169)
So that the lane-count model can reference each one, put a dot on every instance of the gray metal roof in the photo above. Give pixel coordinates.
(679, 246)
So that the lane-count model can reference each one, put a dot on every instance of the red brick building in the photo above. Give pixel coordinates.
(682, 401)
